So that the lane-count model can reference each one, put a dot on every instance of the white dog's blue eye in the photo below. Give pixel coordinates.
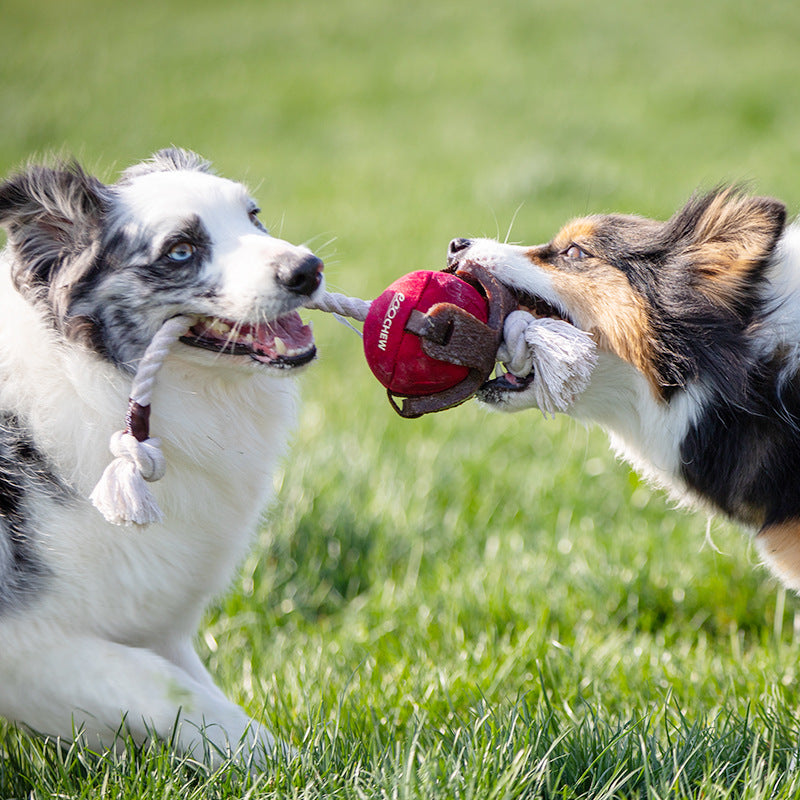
(253, 214)
(182, 251)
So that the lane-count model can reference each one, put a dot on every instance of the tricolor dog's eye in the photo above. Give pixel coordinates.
(181, 252)
(575, 252)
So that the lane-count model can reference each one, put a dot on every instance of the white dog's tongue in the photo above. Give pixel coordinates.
(285, 336)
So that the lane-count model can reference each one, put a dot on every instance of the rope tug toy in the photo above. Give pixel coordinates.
(431, 338)
(121, 494)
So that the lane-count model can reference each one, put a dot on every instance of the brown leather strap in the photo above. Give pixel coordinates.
(451, 334)
(137, 420)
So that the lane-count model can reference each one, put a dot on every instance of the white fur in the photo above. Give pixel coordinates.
(510, 264)
(782, 294)
(645, 432)
(110, 637)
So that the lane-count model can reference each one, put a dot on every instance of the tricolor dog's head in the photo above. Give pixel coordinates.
(672, 299)
(108, 264)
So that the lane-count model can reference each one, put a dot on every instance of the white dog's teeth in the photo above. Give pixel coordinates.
(219, 327)
(248, 338)
(280, 346)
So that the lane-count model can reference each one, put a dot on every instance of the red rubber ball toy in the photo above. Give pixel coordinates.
(394, 354)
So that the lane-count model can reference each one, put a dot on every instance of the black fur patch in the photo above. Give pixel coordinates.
(116, 296)
(53, 220)
(96, 276)
(745, 455)
(699, 327)
(24, 475)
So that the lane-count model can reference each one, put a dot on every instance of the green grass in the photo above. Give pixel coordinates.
(468, 605)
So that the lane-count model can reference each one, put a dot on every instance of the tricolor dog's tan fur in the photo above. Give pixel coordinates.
(697, 322)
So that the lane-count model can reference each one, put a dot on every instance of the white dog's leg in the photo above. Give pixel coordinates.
(92, 685)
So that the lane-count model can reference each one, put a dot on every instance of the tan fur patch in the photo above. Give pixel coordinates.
(779, 545)
(579, 231)
(732, 237)
(611, 311)
(602, 302)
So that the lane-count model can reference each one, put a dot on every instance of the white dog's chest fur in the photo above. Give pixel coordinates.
(97, 621)
(221, 438)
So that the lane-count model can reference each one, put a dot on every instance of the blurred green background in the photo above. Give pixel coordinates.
(430, 564)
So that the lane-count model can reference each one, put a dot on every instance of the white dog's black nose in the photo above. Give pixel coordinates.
(300, 274)
(455, 247)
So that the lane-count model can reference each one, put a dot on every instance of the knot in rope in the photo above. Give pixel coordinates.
(121, 494)
(146, 456)
(561, 357)
(514, 350)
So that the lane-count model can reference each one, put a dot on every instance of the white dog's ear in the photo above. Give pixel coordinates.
(52, 216)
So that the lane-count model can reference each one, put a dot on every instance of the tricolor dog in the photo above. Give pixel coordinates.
(697, 324)
(96, 620)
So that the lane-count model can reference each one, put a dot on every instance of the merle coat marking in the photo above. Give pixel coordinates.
(96, 621)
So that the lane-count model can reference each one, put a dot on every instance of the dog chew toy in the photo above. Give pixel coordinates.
(415, 315)
(121, 495)
(433, 339)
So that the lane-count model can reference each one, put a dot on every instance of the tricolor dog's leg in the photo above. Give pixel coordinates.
(97, 687)
(779, 546)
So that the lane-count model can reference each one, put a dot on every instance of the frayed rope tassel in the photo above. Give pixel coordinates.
(561, 356)
(122, 495)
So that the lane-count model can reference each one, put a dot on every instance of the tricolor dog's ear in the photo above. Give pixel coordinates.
(728, 238)
(52, 216)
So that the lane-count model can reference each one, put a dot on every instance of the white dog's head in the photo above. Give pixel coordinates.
(109, 264)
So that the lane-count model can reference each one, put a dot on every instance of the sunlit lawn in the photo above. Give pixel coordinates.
(469, 605)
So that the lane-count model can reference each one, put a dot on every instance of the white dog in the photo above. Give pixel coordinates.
(96, 621)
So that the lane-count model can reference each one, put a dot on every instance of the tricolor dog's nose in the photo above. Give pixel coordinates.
(455, 247)
(300, 274)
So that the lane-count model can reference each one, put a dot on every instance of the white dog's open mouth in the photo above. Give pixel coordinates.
(284, 343)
